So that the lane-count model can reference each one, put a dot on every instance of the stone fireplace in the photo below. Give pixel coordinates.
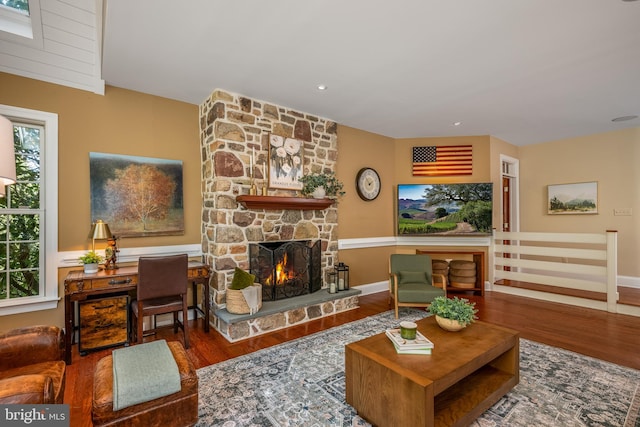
(234, 138)
(286, 269)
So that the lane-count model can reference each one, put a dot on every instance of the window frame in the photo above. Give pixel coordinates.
(49, 186)
(23, 29)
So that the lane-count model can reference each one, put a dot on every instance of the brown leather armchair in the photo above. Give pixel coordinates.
(32, 367)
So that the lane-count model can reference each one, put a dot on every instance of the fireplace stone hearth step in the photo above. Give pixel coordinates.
(283, 313)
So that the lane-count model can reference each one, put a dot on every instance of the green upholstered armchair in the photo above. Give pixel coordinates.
(412, 283)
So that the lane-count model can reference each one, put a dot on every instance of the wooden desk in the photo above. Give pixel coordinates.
(79, 286)
(467, 372)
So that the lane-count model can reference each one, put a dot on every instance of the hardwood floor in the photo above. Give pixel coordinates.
(610, 337)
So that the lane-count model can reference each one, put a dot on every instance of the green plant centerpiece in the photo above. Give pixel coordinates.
(454, 313)
(91, 260)
(312, 182)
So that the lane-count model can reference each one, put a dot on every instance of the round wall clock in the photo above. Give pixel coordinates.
(368, 184)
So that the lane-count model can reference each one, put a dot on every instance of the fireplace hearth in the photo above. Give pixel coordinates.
(286, 269)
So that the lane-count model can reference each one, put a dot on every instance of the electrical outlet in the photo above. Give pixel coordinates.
(622, 211)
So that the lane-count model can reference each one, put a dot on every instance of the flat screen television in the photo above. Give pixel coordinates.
(445, 209)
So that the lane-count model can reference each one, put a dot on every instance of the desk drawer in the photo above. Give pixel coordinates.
(110, 282)
(103, 322)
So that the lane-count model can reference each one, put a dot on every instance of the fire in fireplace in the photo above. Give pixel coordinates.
(286, 269)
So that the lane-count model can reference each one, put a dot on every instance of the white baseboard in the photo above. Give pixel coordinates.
(373, 288)
(629, 281)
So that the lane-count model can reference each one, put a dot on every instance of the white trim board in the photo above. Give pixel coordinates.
(373, 242)
(629, 281)
(70, 258)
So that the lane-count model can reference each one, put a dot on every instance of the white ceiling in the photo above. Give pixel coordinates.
(525, 71)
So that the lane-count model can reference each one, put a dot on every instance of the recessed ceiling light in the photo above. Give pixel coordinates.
(457, 123)
(624, 118)
(322, 87)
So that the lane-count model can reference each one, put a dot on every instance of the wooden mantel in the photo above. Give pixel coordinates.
(276, 203)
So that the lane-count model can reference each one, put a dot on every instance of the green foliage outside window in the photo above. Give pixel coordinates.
(20, 220)
(19, 5)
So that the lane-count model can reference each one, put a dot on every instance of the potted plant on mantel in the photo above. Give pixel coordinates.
(453, 314)
(321, 185)
(90, 261)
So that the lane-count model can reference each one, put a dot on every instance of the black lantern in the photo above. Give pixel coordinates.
(342, 275)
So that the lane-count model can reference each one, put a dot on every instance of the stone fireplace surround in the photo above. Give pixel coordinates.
(232, 129)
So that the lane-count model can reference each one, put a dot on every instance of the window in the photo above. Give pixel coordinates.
(28, 216)
(18, 5)
(21, 21)
(14, 17)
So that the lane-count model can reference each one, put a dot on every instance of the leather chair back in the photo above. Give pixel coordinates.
(162, 276)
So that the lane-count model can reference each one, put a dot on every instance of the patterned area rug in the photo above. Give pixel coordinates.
(301, 383)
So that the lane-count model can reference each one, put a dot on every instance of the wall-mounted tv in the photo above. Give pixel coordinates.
(445, 209)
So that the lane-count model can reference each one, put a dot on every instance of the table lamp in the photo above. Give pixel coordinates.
(99, 231)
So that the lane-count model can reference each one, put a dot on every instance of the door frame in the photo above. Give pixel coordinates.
(509, 169)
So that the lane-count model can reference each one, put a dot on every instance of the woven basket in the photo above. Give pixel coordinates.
(462, 282)
(462, 264)
(236, 304)
(439, 266)
(462, 274)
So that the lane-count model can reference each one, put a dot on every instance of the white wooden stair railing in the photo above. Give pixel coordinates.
(572, 268)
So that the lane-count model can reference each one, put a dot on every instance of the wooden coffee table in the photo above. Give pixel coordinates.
(467, 372)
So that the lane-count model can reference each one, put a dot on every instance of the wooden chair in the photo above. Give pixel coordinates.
(412, 283)
(162, 288)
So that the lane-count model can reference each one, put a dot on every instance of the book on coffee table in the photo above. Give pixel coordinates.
(413, 350)
(420, 345)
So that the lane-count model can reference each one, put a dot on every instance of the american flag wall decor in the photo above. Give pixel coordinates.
(443, 160)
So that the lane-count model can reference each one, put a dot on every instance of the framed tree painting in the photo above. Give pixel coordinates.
(137, 196)
(579, 198)
(285, 162)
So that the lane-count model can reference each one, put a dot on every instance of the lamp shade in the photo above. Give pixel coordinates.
(100, 231)
(7, 153)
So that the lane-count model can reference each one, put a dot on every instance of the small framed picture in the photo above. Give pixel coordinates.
(285, 162)
(579, 198)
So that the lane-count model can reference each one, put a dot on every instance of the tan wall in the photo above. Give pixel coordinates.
(358, 149)
(481, 155)
(121, 122)
(358, 218)
(499, 147)
(481, 163)
(612, 160)
(366, 266)
(392, 159)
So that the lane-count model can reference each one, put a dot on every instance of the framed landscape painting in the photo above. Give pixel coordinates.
(137, 196)
(579, 198)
